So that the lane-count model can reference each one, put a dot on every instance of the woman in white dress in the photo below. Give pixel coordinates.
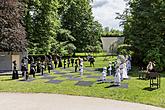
(125, 73)
(121, 66)
(128, 62)
(117, 78)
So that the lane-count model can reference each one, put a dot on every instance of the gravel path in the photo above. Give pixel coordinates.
(41, 101)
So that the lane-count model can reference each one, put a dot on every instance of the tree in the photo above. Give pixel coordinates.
(42, 24)
(12, 31)
(143, 27)
(79, 20)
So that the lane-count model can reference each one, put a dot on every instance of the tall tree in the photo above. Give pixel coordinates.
(42, 24)
(144, 23)
(12, 31)
(79, 20)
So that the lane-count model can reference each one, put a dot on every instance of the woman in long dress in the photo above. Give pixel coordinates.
(125, 73)
(117, 78)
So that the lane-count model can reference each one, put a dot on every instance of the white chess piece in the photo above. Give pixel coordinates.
(104, 73)
(121, 66)
(117, 78)
(110, 69)
(81, 70)
(128, 65)
(125, 72)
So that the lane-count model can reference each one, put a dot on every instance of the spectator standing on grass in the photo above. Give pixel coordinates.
(150, 67)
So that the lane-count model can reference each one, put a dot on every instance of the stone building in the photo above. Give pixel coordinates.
(6, 59)
(110, 44)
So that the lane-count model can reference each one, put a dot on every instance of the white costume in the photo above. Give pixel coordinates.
(81, 61)
(117, 78)
(128, 65)
(110, 69)
(104, 73)
(81, 70)
(121, 70)
(125, 73)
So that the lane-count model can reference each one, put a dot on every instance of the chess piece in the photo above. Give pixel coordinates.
(104, 73)
(81, 70)
(117, 77)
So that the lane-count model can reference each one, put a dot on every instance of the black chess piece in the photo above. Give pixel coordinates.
(64, 63)
(72, 61)
(60, 62)
(76, 66)
(38, 67)
(55, 62)
(68, 61)
(33, 69)
(15, 71)
(42, 68)
(49, 66)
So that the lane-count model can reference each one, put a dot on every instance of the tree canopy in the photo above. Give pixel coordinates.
(144, 24)
(12, 31)
(51, 23)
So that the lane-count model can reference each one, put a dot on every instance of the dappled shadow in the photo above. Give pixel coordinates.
(149, 89)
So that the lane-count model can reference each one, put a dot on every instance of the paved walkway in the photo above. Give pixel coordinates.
(19, 101)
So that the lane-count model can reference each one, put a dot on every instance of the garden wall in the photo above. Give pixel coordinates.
(6, 59)
(110, 43)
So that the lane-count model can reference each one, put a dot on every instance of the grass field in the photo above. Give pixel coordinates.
(137, 90)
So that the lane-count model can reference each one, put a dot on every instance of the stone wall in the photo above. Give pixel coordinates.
(110, 43)
(6, 59)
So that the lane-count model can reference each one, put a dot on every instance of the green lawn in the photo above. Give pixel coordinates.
(136, 91)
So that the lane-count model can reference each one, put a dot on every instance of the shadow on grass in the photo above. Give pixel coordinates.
(7, 79)
(149, 89)
(112, 86)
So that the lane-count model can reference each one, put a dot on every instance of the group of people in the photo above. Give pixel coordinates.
(42, 64)
(119, 69)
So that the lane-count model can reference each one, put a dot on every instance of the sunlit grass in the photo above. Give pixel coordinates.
(136, 91)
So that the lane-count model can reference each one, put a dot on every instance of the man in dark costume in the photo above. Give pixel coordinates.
(15, 71)
(72, 61)
(60, 62)
(68, 61)
(55, 62)
(64, 63)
